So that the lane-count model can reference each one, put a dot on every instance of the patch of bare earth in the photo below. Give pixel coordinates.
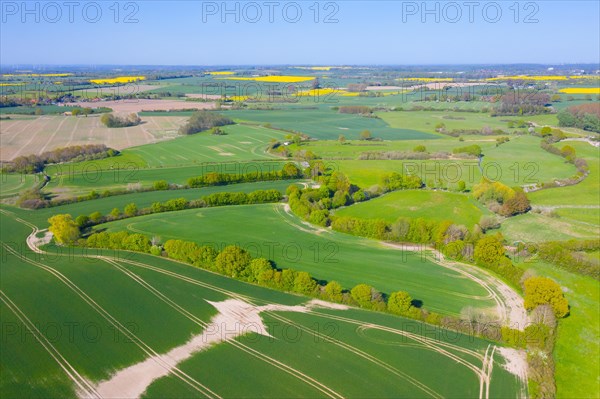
(235, 318)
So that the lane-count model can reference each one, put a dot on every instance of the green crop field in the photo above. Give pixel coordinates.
(144, 199)
(327, 124)
(241, 150)
(435, 232)
(12, 184)
(431, 205)
(426, 121)
(368, 173)
(79, 321)
(272, 233)
(241, 143)
(126, 311)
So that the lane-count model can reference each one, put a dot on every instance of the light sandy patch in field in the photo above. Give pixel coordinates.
(45, 133)
(138, 105)
(226, 154)
(235, 318)
(516, 361)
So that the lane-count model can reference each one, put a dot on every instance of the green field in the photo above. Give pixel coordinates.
(241, 150)
(577, 365)
(326, 124)
(426, 121)
(92, 178)
(368, 173)
(272, 233)
(12, 184)
(526, 228)
(128, 308)
(584, 193)
(521, 161)
(241, 143)
(431, 205)
(39, 217)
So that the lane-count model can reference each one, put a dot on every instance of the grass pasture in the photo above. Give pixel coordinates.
(584, 193)
(521, 161)
(528, 228)
(272, 233)
(140, 305)
(431, 205)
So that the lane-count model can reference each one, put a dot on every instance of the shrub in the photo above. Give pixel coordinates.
(541, 291)
(204, 120)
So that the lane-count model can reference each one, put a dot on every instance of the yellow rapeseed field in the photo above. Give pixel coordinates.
(238, 98)
(13, 84)
(581, 90)
(119, 79)
(220, 73)
(319, 92)
(276, 79)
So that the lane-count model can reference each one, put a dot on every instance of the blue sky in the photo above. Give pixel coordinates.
(366, 32)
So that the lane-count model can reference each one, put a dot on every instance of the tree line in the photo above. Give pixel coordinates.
(288, 171)
(36, 163)
(35, 199)
(179, 204)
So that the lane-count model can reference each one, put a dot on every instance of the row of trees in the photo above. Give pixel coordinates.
(568, 153)
(571, 255)
(233, 261)
(179, 204)
(35, 199)
(289, 171)
(36, 163)
(355, 109)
